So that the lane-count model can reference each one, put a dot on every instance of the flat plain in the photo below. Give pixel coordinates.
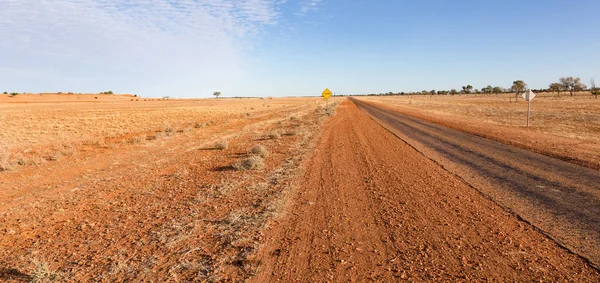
(113, 188)
(121, 188)
(565, 127)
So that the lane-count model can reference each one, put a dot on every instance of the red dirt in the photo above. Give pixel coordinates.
(165, 210)
(373, 208)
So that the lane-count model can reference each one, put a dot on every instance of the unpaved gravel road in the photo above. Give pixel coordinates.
(371, 207)
(560, 198)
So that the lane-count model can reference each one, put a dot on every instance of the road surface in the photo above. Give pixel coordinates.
(560, 198)
(372, 208)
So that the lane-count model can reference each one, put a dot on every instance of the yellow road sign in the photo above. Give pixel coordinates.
(326, 93)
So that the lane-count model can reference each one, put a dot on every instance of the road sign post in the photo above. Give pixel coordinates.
(326, 94)
(528, 96)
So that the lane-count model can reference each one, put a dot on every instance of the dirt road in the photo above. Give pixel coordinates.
(561, 198)
(374, 208)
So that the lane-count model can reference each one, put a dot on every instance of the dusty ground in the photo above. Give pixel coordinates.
(558, 197)
(38, 128)
(168, 209)
(372, 208)
(564, 127)
(138, 191)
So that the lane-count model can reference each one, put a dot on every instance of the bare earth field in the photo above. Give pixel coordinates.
(118, 189)
(564, 127)
(167, 207)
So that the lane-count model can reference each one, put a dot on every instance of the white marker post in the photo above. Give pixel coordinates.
(528, 96)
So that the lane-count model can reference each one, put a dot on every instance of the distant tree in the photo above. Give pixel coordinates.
(497, 90)
(488, 89)
(555, 87)
(518, 87)
(216, 94)
(453, 91)
(13, 94)
(467, 89)
(5, 92)
(593, 89)
(572, 84)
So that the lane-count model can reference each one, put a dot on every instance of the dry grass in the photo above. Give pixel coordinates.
(221, 145)
(43, 273)
(138, 139)
(274, 135)
(250, 163)
(168, 130)
(199, 125)
(259, 150)
(31, 122)
(5, 164)
(569, 117)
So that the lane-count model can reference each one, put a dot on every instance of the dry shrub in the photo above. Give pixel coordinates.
(290, 132)
(274, 135)
(223, 144)
(54, 157)
(20, 160)
(259, 150)
(43, 273)
(96, 142)
(250, 163)
(137, 139)
(185, 130)
(5, 164)
(168, 130)
(156, 136)
(67, 150)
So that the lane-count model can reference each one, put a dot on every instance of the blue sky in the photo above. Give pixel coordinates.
(189, 48)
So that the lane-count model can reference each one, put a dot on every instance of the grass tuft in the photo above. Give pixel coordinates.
(259, 150)
(223, 144)
(43, 273)
(5, 164)
(168, 130)
(250, 163)
(274, 135)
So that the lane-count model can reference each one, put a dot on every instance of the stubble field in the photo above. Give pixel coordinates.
(121, 188)
(564, 127)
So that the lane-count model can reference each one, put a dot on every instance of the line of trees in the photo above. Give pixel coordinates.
(564, 84)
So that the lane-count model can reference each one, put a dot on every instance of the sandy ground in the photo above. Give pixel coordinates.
(372, 208)
(564, 127)
(170, 209)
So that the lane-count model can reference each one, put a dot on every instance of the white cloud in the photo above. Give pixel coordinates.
(307, 6)
(152, 45)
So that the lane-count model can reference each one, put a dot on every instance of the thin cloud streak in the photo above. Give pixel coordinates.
(163, 44)
(308, 6)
